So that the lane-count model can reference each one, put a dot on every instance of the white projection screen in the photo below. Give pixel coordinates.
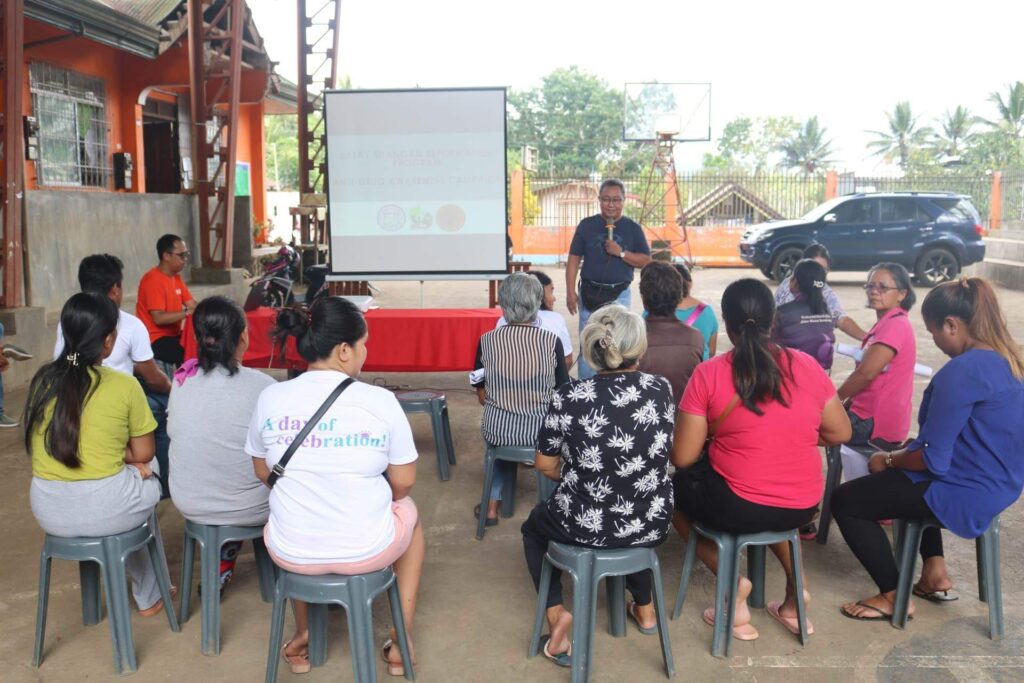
(416, 183)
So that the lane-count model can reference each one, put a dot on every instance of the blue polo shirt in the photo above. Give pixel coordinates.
(972, 433)
(598, 264)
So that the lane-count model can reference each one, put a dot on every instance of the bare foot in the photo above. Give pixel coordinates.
(874, 607)
(787, 608)
(644, 614)
(561, 631)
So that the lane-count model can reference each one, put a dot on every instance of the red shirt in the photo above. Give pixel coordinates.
(160, 292)
(888, 398)
(770, 459)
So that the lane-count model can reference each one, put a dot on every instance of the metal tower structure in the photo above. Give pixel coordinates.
(660, 193)
(215, 43)
(12, 182)
(318, 71)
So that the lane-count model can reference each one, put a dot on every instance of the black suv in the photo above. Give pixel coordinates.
(933, 234)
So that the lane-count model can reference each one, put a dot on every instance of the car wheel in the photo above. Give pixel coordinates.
(766, 271)
(782, 264)
(935, 266)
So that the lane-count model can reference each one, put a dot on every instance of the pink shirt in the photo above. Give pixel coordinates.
(887, 399)
(770, 459)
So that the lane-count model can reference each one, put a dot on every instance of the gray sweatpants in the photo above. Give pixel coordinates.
(101, 507)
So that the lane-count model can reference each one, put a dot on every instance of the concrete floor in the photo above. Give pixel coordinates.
(476, 602)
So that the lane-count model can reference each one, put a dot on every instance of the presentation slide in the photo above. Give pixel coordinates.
(416, 182)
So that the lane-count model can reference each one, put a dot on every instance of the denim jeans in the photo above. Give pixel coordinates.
(158, 404)
(583, 369)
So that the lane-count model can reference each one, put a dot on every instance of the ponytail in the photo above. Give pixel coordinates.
(973, 300)
(331, 321)
(748, 309)
(218, 323)
(810, 280)
(86, 320)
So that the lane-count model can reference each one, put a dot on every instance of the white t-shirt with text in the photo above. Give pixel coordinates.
(553, 322)
(132, 345)
(333, 503)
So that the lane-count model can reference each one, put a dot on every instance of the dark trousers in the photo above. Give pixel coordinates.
(703, 495)
(538, 530)
(158, 404)
(169, 350)
(858, 505)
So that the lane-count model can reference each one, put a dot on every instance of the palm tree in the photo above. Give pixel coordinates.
(807, 149)
(1011, 110)
(956, 132)
(903, 136)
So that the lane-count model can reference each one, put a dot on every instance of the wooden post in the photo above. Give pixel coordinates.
(13, 185)
(995, 204)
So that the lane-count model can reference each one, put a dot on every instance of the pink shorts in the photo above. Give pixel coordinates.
(406, 516)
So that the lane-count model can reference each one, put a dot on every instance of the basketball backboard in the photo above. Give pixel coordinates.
(654, 110)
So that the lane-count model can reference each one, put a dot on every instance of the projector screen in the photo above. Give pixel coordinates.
(416, 183)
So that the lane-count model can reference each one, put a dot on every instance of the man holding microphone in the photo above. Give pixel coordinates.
(610, 247)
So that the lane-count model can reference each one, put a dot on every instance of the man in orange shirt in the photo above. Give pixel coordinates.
(164, 300)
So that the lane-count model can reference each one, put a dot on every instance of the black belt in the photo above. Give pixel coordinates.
(606, 285)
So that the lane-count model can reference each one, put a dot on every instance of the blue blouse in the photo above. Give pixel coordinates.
(972, 432)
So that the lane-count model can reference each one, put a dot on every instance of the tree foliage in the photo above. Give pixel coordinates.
(807, 149)
(752, 145)
(955, 133)
(903, 136)
(281, 151)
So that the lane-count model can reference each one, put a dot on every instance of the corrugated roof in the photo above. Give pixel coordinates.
(150, 12)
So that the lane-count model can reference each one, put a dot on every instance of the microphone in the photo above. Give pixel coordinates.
(611, 228)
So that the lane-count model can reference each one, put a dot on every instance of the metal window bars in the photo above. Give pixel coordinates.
(70, 109)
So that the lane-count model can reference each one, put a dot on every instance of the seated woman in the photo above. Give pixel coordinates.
(696, 313)
(547, 317)
(606, 440)
(674, 348)
(882, 385)
(523, 364)
(805, 323)
(964, 467)
(784, 293)
(212, 400)
(89, 431)
(767, 409)
(342, 505)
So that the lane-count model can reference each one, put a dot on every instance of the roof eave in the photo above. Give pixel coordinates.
(97, 22)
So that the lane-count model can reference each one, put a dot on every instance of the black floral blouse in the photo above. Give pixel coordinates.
(614, 435)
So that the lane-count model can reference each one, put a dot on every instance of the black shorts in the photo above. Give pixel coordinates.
(703, 495)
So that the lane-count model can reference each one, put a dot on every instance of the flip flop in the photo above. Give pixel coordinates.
(646, 630)
(809, 532)
(299, 664)
(741, 632)
(490, 521)
(791, 623)
(158, 606)
(880, 615)
(394, 669)
(562, 658)
(936, 596)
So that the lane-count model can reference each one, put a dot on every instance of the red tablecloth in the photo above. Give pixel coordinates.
(401, 340)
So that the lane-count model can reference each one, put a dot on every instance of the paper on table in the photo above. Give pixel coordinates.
(477, 376)
(857, 353)
(362, 302)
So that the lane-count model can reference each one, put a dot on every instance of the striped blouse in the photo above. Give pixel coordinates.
(523, 365)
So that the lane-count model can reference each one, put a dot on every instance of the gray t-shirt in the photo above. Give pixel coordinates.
(211, 476)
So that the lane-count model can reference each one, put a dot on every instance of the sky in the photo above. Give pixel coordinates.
(847, 63)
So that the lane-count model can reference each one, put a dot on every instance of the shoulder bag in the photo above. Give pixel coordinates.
(713, 427)
(278, 469)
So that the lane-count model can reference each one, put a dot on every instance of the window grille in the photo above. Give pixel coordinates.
(70, 109)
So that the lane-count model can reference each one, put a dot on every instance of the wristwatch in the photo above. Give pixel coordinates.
(888, 461)
(622, 254)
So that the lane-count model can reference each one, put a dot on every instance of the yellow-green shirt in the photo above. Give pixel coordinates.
(114, 412)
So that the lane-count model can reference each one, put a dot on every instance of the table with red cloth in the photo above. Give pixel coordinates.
(400, 340)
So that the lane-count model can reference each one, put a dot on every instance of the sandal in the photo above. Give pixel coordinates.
(560, 659)
(299, 664)
(739, 632)
(490, 521)
(878, 616)
(646, 630)
(792, 624)
(394, 669)
(948, 595)
(158, 606)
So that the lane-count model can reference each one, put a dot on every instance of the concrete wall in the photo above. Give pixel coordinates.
(63, 227)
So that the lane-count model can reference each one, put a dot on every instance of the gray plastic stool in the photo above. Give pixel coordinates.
(435, 404)
(516, 454)
(96, 556)
(211, 539)
(588, 566)
(833, 477)
(729, 548)
(907, 540)
(355, 593)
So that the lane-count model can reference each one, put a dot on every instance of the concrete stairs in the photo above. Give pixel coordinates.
(1004, 258)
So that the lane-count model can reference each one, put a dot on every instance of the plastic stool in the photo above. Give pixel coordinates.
(211, 539)
(516, 454)
(729, 548)
(435, 404)
(103, 555)
(355, 593)
(907, 539)
(833, 477)
(588, 566)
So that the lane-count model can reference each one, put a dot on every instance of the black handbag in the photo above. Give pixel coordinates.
(596, 294)
(278, 470)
